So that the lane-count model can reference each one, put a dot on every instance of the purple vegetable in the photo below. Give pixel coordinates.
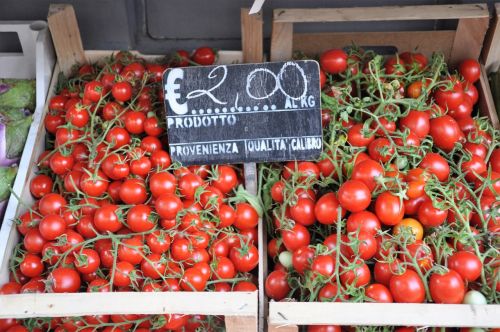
(4, 88)
(4, 161)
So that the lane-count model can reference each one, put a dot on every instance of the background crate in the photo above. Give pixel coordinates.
(464, 42)
(239, 308)
(36, 61)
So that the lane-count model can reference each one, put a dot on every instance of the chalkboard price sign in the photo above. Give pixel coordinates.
(243, 113)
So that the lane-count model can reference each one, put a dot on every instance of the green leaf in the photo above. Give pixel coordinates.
(17, 132)
(7, 176)
(8, 114)
(21, 94)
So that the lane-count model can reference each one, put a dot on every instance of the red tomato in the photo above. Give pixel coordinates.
(276, 286)
(445, 132)
(246, 216)
(78, 116)
(301, 259)
(168, 205)
(188, 184)
(245, 258)
(122, 91)
(366, 245)
(470, 70)
(87, 261)
(204, 56)
(327, 209)
(417, 122)
(389, 208)
(354, 196)
(449, 96)
(463, 110)
(381, 150)
(437, 165)
(358, 136)
(356, 274)
(133, 191)
(323, 265)
(31, 266)
(367, 172)
(447, 288)
(422, 254)
(134, 122)
(303, 211)
(34, 241)
(140, 218)
(378, 293)
(467, 264)
(123, 273)
(395, 66)
(296, 237)
(94, 91)
(333, 61)
(106, 219)
(64, 280)
(363, 221)
(51, 203)
(383, 271)
(52, 226)
(407, 287)
(430, 216)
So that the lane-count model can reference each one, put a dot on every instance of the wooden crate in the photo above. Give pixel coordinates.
(464, 42)
(36, 61)
(239, 308)
(491, 49)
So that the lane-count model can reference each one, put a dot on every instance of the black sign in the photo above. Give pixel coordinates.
(244, 113)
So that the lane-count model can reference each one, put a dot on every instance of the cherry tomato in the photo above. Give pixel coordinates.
(447, 288)
(204, 56)
(354, 196)
(470, 70)
(407, 287)
(389, 209)
(276, 285)
(333, 61)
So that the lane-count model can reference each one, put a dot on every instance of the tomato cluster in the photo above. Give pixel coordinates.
(403, 204)
(113, 213)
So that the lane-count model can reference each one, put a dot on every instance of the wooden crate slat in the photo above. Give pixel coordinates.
(385, 13)
(425, 42)
(80, 304)
(486, 103)
(281, 41)
(491, 49)
(241, 323)
(396, 314)
(66, 36)
(252, 36)
(468, 39)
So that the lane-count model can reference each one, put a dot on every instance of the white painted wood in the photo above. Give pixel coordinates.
(80, 304)
(256, 7)
(378, 314)
(21, 65)
(41, 69)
